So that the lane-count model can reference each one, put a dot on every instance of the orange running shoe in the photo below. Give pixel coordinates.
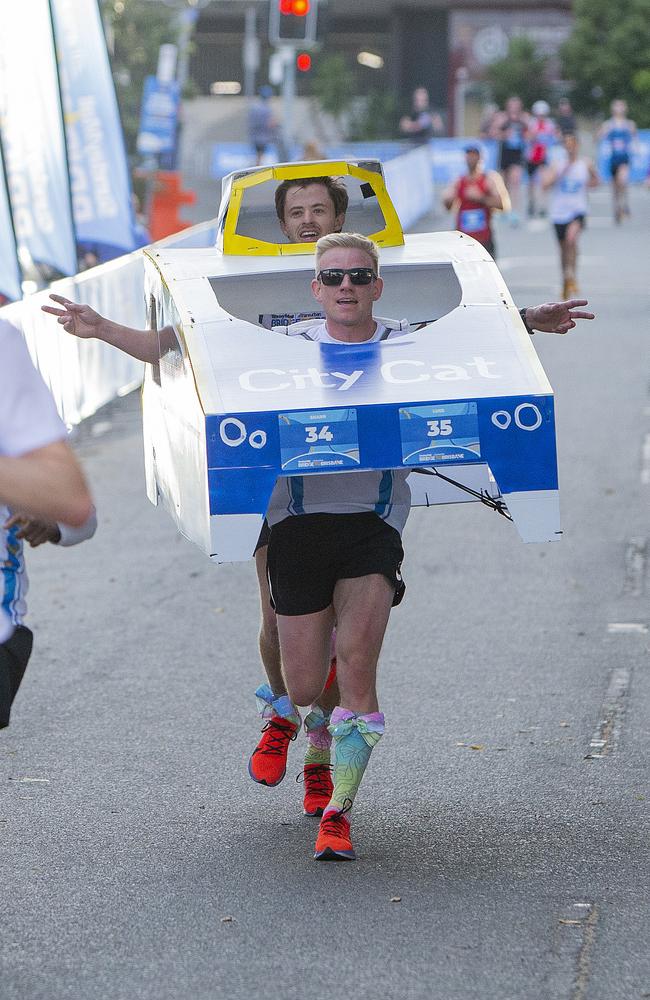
(318, 788)
(268, 763)
(333, 842)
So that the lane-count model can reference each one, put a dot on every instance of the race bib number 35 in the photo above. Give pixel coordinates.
(432, 435)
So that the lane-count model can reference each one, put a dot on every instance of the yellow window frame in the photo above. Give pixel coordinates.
(233, 243)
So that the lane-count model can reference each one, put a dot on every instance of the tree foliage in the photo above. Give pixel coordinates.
(137, 28)
(521, 73)
(608, 56)
(376, 119)
(333, 85)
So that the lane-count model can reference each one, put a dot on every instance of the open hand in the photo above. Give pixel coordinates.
(557, 317)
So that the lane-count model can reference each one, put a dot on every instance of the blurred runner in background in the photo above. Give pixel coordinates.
(541, 134)
(509, 127)
(262, 125)
(569, 181)
(565, 118)
(620, 132)
(474, 196)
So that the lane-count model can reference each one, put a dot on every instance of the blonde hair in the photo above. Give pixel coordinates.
(347, 241)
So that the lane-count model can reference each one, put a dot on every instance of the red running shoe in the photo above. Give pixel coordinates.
(268, 763)
(333, 842)
(318, 788)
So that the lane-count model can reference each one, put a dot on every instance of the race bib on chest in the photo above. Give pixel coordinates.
(570, 185)
(472, 220)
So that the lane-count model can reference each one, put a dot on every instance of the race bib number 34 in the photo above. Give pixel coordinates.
(320, 439)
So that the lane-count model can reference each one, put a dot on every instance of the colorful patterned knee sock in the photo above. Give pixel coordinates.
(354, 736)
(319, 738)
(269, 706)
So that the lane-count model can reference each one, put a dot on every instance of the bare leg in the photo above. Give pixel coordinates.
(513, 184)
(571, 250)
(620, 192)
(305, 645)
(268, 638)
(362, 608)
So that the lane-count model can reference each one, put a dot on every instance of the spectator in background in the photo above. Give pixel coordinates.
(422, 123)
(475, 196)
(262, 124)
(565, 118)
(312, 151)
(509, 128)
(541, 134)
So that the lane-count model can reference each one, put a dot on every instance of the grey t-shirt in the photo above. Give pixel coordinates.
(382, 491)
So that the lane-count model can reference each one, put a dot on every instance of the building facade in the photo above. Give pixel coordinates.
(433, 43)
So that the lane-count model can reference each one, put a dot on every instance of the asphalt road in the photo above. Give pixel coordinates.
(138, 860)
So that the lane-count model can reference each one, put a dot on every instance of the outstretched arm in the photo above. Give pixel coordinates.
(82, 321)
(557, 317)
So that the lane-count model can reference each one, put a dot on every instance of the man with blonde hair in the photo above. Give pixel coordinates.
(335, 553)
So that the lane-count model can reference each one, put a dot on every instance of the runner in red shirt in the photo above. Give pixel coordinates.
(541, 134)
(475, 196)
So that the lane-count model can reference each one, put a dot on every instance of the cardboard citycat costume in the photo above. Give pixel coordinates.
(234, 404)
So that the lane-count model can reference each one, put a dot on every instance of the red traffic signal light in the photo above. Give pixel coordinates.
(292, 23)
(303, 62)
(299, 8)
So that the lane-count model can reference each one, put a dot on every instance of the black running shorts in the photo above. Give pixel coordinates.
(616, 163)
(510, 157)
(309, 553)
(263, 540)
(561, 227)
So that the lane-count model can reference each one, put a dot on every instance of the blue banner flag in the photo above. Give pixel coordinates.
(99, 175)
(159, 118)
(10, 286)
(33, 139)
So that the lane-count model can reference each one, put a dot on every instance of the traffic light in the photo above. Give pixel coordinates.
(303, 62)
(293, 23)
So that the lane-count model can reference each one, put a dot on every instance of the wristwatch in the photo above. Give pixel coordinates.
(522, 313)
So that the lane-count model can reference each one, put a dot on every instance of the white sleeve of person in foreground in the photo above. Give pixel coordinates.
(39, 473)
(72, 536)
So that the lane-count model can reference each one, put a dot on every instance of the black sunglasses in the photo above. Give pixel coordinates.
(334, 275)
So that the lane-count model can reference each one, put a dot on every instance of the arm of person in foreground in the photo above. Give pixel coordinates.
(36, 531)
(82, 321)
(557, 317)
(46, 483)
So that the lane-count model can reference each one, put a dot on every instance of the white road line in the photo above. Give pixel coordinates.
(645, 461)
(588, 931)
(606, 736)
(635, 565)
(627, 628)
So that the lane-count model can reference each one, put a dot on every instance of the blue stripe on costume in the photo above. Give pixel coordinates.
(297, 494)
(383, 506)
